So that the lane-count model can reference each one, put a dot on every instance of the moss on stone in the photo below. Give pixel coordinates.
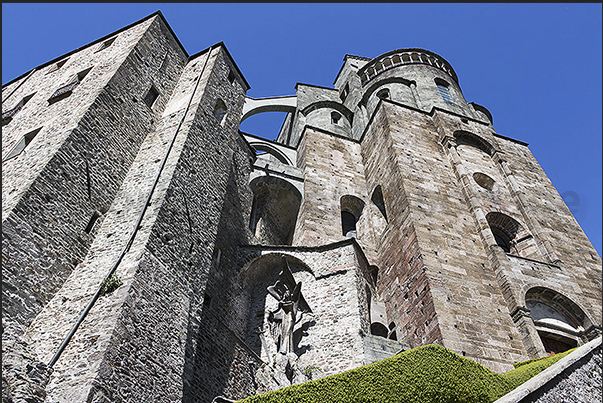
(428, 374)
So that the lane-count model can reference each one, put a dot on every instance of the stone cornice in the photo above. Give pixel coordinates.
(400, 57)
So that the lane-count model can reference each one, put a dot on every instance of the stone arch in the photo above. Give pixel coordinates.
(399, 90)
(274, 210)
(271, 150)
(505, 230)
(559, 321)
(351, 210)
(471, 139)
(254, 106)
(510, 235)
(321, 114)
(255, 278)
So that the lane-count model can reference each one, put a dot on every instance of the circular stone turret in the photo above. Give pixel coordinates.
(414, 77)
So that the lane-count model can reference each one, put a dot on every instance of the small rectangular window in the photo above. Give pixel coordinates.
(231, 77)
(207, 301)
(105, 44)
(66, 90)
(57, 66)
(25, 140)
(151, 96)
(344, 93)
(8, 115)
(444, 93)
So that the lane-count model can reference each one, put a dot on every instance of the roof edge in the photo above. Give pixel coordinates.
(103, 38)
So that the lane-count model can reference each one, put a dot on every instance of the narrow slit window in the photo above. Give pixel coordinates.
(344, 93)
(25, 140)
(92, 221)
(8, 115)
(220, 112)
(207, 301)
(106, 44)
(151, 96)
(231, 77)
(444, 92)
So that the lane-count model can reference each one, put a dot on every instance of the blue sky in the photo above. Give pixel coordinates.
(536, 67)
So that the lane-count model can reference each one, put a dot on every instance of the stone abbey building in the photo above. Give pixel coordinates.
(388, 214)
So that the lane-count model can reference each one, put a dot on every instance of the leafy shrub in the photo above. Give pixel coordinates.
(427, 374)
(111, 284)
(527, 369)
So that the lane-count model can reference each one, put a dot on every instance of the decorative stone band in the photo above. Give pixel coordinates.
(402, 57)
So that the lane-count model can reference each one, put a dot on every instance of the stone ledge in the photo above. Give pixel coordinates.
(539, 381)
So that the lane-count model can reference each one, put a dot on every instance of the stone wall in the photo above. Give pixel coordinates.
(580, 383)
(70, 173)
(440, 286)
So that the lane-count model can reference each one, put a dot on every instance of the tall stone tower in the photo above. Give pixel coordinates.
(388, 214)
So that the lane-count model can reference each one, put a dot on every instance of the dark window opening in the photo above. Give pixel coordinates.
(555, 345)
(377, 199)
(383, 94)
(231, 77)
(66, 90)
(344, 93)
(444, 92)
(151, 96)
(348, 224)
(379, 329)
(92, 221)
(8, 115)
(25, 140)
(502, 240)
(335, 117)
(106, 44)
(207, 301)
(220, 112)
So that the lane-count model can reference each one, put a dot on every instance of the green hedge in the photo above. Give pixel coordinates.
(427, 374)
(527, 369)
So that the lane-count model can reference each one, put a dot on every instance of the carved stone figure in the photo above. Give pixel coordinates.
(290, 301)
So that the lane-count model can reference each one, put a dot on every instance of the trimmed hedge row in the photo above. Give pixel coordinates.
(527, 369)
(427, 374)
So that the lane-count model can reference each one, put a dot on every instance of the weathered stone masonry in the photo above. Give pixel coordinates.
(403, 217)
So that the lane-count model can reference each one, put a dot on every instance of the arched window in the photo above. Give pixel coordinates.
(220, 112)
(443, 89)
(379, 329)
(335, 118)
(383, 94)
(348, 224)
(505, 230)
(351, 210)
(560, 322)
